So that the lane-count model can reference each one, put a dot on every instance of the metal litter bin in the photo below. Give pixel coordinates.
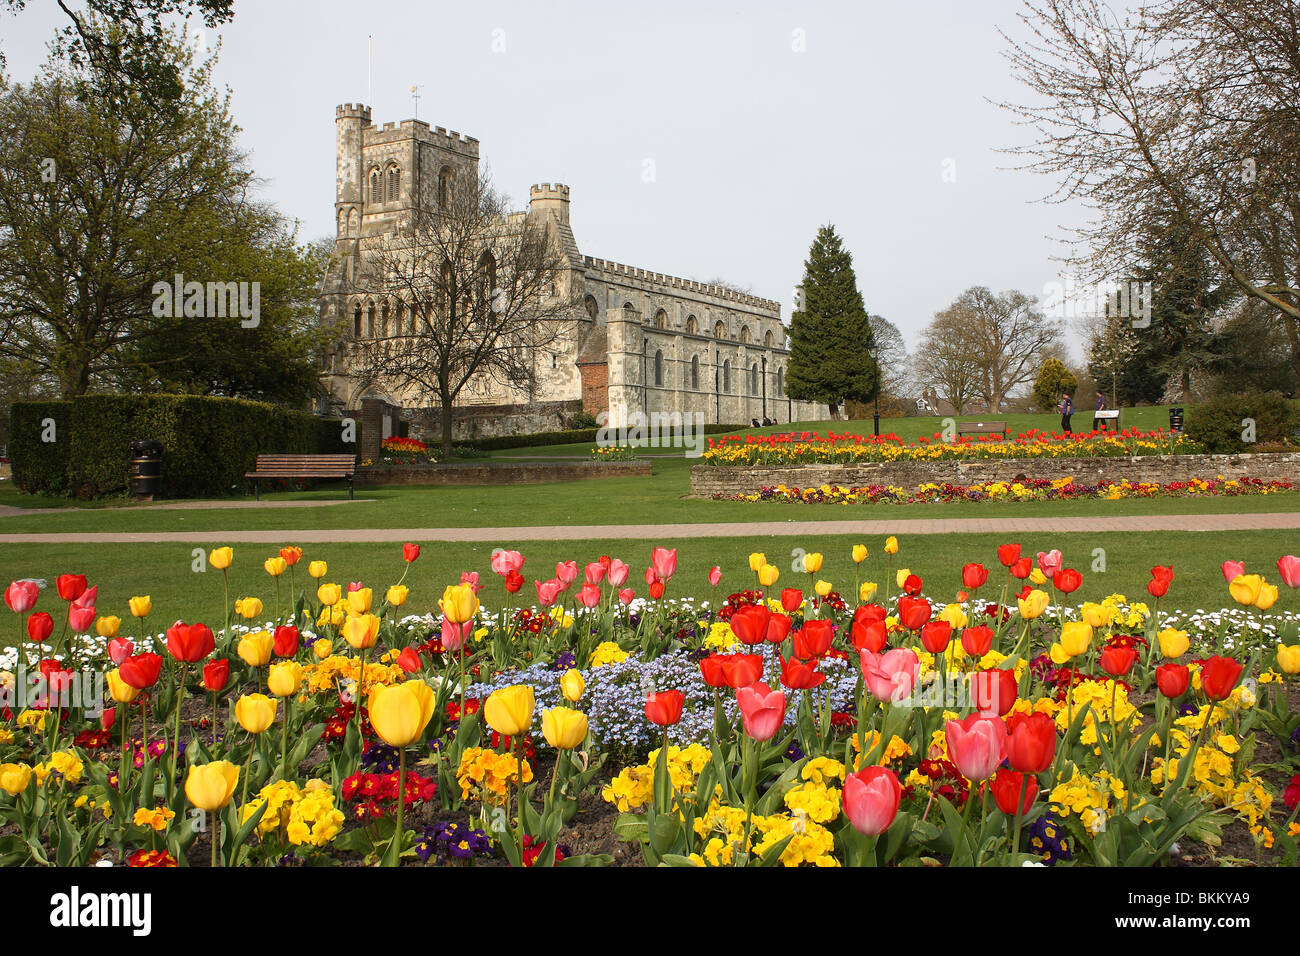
(1176, 419)
(146, 468)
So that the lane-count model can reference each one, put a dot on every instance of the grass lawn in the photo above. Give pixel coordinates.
(165, 572)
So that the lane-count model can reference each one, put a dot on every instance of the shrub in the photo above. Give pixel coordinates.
(1053, 380)
(39, 466)
(1221, 423)
(583, 420)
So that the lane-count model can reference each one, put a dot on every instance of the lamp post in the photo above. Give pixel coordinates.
(876, 389)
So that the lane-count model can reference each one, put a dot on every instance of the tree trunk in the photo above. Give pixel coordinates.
(445, 395)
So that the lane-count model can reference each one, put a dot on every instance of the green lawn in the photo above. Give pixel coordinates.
(165, 572)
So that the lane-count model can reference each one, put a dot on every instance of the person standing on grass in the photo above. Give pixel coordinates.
(1101, 402)
(1067, 409)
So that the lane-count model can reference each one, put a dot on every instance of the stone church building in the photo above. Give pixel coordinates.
(643, 341)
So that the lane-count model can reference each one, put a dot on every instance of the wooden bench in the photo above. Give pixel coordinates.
(303, 466)
(982, 428)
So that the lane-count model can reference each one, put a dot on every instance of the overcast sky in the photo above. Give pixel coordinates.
(701, 139)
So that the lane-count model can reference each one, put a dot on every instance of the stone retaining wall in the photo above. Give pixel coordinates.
(494, 473)
(709, 480)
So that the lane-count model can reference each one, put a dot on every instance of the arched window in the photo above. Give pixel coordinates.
(376, 187)
(394, 182)
(592, 306)
(695, 371)
(753, 379)
(356, 322)
(661, 319)
(659, 367)
(719, 330)
(383, 321)
(726, 376)
(370, 321)
(343, 222)
(767, 339)
(744, 334)
(354, 221)
(487, 282)
(692, 325)
(780, 381)
(399, 321)
(444, 187)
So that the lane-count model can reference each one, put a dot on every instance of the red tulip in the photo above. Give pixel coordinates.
(1117, 660)
(1008, 554)
(216, 674)
(566, 572)
(286, 640)
(409, 660)
(913, 613)
(625, 595)
(715, 575)
(589, 595)
(291, 555)
(800, 675)
(977, 641)
(514, 581)
(814, 639)
(189, 642)
(595, 572)
(762, 710)
(711, 669)
(1067, 580)
(976, 745)
(108, 718)
(664, 561)
(1006, 786)
(912, 585)
(791, 599)
(40, 626)
(547, 592)
(973, 576)
(869, 612)
(70, 586)
(141, 670)
(618, 572)
(656, 590)
(870, 798)
(21, 596)
(119, 649)
(80, 618)
(870, 636)
(1031, 742)
(1161, 578)
(749, 623)
(995, 691)
(57, 677)
(741, 670)
(410, 552)
(1288, 566)
(778, 628)
(1173, 679)
(1219, 675)
(936, 636)
(664, 707)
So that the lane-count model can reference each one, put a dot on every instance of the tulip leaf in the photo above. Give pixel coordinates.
(775, 795)
(587, 859)
(632, 827)
(773, 855)
(670, 859)
(897, 834)
(233, 839)
(664, 832)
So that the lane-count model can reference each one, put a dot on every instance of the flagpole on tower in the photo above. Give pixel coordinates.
(415, 97)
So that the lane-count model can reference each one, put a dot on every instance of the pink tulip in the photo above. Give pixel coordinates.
(503, 562)
(80, 618)
(715, 575)
(664, 561)
(762, 710)
(548, 591)
(566, 572)
(87, 598)
(618, 572)
(650, 576)
(454, 635)
(21, 596)
(354, 586)
(625, 595)
(596, 572)
(892, 675)
(1050, 562)
(119, 649)
(870, 798)
(589, 595)
(977, 745)
(471, 578)
(1289, 567)
(1232, 569)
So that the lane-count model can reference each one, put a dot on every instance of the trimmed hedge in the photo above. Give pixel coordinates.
(39, 467)
(208, 442)
(1217, 423)
(570, 437)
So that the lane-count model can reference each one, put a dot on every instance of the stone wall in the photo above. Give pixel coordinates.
(708, 480)
(499, 473)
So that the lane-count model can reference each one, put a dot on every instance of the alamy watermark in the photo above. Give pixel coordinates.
(33, 690)
(619, 427)
(214, 300)
(1124, 300)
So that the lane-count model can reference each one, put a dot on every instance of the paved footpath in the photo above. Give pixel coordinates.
(668, 532)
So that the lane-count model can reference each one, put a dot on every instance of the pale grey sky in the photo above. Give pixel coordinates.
(762, 120)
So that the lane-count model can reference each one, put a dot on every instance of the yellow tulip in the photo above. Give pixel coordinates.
(891, 545)
(812, 563)
(572, 684)
(317, 569)
(335, 614)
(767, 575)
(396, 595)
(902, 575)
(361, 630)
(1267, 596)
(399, 713)
(459, 603)
(1032, 604)
(120, 690)
(275, 566)
(248, 608)
(359, 600)
(220, 558)
(822, 588)
(329, 594)
(323, 648)
(255, 712)
(210, 786)
(106, 627)
(140, 605)
(867, 591)
(255, 649)
(1076, 637)
(1173, 643)
(756, 561)
(1245, 588)
(509, 711)
(284, 678)
(564, 728)
(14, 778)
(859, 553)
(954, 615)
(1097, 615)
(1288, 658)
(1037, 576)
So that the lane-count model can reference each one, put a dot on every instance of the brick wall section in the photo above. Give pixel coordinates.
(595, 387)
(708, 480)
(522, 473)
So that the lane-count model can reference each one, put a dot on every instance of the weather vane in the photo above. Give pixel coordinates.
(415, 97)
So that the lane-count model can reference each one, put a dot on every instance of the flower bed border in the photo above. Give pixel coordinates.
(498, 473)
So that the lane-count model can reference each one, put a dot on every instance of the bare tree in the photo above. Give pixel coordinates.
(1189, 108)
(891, 357)
(467, 291)
(1009, 338)
(948, 358)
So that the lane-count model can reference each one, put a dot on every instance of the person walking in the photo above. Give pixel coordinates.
(1101, 402)
(1067, 409)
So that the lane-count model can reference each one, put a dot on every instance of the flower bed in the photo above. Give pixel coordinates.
(1042, 489)
(994, 723)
